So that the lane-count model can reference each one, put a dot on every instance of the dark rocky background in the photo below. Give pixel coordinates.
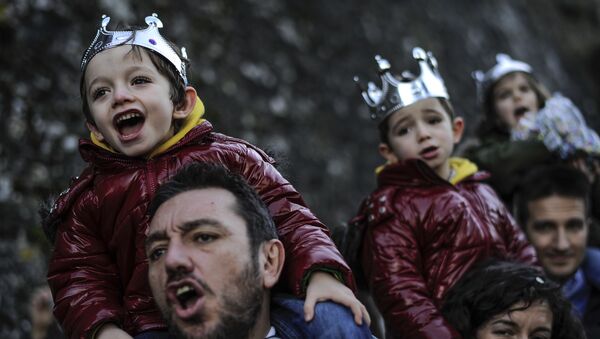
(277, 73)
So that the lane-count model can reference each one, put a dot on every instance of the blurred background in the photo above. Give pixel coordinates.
(276, 73)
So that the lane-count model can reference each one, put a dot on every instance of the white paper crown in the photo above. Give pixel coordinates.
(504, 65)
(398, 92)
(148, 37)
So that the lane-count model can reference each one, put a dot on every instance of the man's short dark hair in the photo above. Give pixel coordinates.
(248, 205)
(543, 182)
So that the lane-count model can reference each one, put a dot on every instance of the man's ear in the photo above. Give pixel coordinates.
(94, 130)
(188, 104)
(387, 153)
(273, 256)
(458, 127)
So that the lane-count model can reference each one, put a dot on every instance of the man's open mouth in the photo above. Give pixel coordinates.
(186, 295)
(129, 123)
(186, 298)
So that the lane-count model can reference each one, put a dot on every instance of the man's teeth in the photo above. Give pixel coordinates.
(127, 116)
(183, 290)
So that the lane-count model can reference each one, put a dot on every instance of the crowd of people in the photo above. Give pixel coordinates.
(176, 231)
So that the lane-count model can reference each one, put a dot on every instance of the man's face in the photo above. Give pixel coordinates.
(200, 268)
(558, 229)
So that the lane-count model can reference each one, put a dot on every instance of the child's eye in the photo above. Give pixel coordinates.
(97, 93)
(155, 254)
(402, 131)
(434, 120)
(140, 80)
(525, 88)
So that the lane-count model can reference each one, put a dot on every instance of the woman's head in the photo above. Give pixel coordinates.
(496, 298)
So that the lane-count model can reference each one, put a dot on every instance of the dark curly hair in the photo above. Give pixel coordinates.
(493, 287)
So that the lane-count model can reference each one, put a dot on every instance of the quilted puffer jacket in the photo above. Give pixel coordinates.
(98, 270)
(421, 234)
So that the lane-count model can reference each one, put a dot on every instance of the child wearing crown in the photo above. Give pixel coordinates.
(146, 123)
(523, 127)
(431, 217)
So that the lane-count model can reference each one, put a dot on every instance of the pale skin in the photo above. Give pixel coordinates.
(534, 322)
(423, 130)
(118, 83)
(558, 230)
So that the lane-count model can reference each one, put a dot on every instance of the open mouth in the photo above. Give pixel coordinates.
(129, 122)
(186, 298)
(429, 153)
(520, 112)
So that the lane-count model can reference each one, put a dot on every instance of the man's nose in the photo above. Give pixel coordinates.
(562, 240)
(177, 259)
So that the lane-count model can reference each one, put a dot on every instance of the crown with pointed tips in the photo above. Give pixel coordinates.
(400, 91)
(504, 65)
(148, 37)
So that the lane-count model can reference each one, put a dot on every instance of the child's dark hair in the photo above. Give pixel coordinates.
(494, 287)
(384, 125)
(490, 121)
(164, 67)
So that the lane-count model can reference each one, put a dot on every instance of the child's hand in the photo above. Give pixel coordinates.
(111, 331)
(323, 286)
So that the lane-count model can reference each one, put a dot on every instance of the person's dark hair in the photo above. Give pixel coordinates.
(164, 67)
(384, 125)
(490, 121)
(249, 206)
(542, 182)
(494, 287)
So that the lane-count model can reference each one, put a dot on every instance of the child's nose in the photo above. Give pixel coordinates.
(121, 95)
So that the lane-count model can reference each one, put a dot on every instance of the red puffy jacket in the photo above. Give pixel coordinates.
(98, 270)
(422, 234)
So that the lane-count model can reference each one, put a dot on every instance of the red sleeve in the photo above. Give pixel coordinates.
(306, 240)
(392, 260)
(516, 241)
(83, 279)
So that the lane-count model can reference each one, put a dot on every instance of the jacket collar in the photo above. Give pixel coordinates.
(104, 158)
(414, 172)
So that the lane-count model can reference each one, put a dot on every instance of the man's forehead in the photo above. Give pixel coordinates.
(216, 205)
(557, 207)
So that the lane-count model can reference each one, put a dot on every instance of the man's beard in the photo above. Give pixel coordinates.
(241, 304)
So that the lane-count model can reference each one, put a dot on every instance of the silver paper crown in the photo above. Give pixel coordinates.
(398, 92)
(504, 65)
(148, 37)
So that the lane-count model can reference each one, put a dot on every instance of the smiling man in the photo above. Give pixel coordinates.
(553, 207)
(214, 257)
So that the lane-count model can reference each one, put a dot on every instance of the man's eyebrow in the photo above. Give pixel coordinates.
(155, 236)
(193, 224)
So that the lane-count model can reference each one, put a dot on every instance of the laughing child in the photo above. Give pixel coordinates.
(146, 123)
